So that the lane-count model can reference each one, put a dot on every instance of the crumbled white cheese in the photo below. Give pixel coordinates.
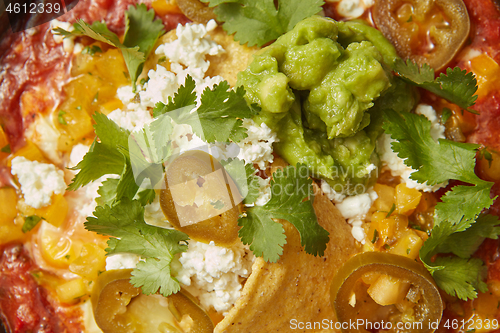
(39, 181)
(191, 46)
(68, 42)
(257, 147)
(77, 153)
(437, 129)
(396, 165)
(355, 209)
(121, 261)
(352, 9)
(131, 120)
(45, 136)
(331, 194)
(356, 206)
(264, 191)
(213, 273)
(154, 215)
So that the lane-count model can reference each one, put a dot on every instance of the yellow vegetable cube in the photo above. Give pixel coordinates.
(58, 249)
(407, 199)
(91, 261)
(71, 291)
(8, 203)
(385, 198)
(408, 245)
(56, 212)
(388, 290)
(30, 151)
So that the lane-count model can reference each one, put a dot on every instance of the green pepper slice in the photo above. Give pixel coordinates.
(119, 307)
(348, 288)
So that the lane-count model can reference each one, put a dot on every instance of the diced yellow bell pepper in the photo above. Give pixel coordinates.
(58, 249)
(8, 203)
(30, 151)
(408, 245)
(71, 291)
(407, 199)
(56, 212)
(91, 261)
(385, 198)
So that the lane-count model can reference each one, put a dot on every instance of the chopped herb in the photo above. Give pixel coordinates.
(60, 117)
(92, 50)
(79, 107)
(393, 208)
(6, 149)
(30, 222)
(162, 59)
(410, 19)
(375, 236)
(67, 256)
(408, 250)
(218, 204)
(96, 97)
(387, 246)
(445, 115)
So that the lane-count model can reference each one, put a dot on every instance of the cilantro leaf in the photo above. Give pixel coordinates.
(436, 162)
(221, 111)
(99, 161)
(465, 243)
(124, 222)
(265, 236)
(463, 204)
(457, 86)
(185, 96)
(146, 196)
(219, 115)
(289, 191)
(257, 22)
(244, 177)
(141, 34)
(460, 277)
(457, 228)
(107, 192)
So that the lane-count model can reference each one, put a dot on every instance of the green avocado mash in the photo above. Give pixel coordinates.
(321, 87)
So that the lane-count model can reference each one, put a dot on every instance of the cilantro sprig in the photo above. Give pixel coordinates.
(258, 22)
(124, 222)
(141, 33)
(219, 116)
(456, 86)
(290, 188)
(457, 217)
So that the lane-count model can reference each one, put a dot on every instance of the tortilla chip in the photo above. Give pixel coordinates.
(227, 64)
(234, 60)
(298, 285)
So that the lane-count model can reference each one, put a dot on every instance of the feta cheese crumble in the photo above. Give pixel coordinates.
(396, 165)
(213, 273)
(352, 9)
(39, 181)
(355, 209)
(257, 147)
(122, 261)
(68, 42)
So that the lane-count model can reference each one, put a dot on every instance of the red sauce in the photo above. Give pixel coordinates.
(26, 306)
(38, 60)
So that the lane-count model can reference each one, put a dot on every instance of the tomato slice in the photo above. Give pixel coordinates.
(419, 310)
(426, 31)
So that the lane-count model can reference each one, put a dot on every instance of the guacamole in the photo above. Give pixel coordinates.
(322, 87)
